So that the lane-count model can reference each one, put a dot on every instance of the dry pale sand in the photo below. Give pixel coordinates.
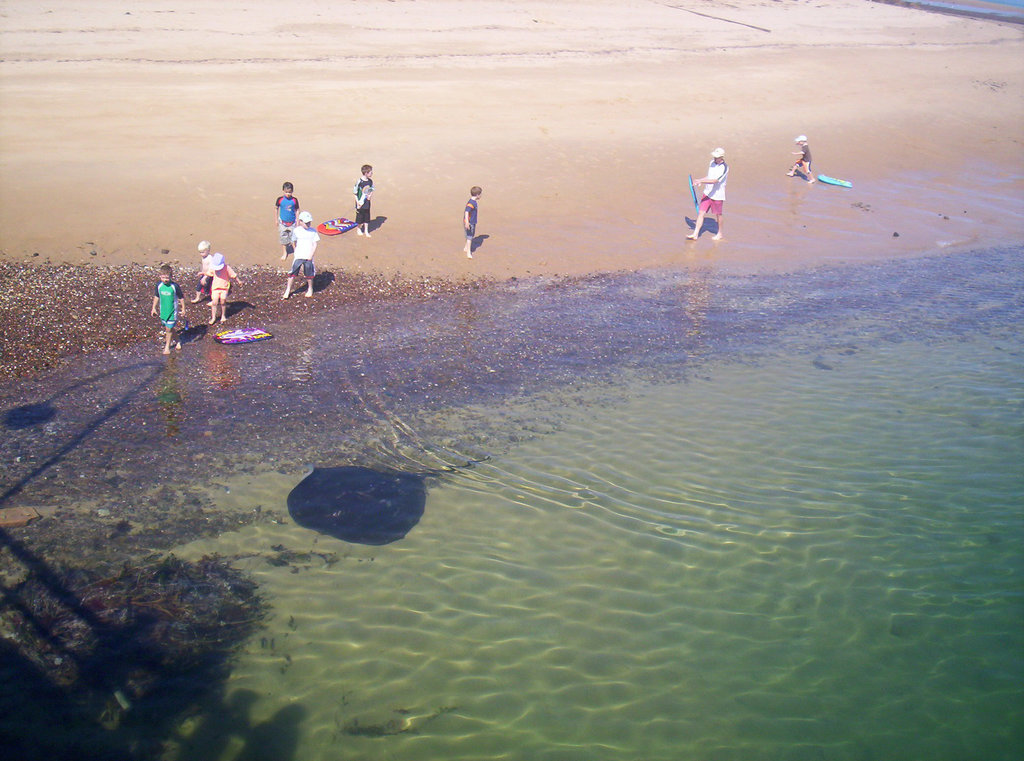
(131, 130)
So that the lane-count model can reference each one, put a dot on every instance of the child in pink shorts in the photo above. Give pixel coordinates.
(222, 275)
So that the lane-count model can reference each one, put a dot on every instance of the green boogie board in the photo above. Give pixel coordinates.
(693, 194)
(833, 181)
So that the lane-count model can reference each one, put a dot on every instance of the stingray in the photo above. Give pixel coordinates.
(359, 505)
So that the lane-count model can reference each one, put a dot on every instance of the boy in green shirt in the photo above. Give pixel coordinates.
(170, 301)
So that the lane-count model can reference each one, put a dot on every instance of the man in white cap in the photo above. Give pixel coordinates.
(713, 198)
(305, 238)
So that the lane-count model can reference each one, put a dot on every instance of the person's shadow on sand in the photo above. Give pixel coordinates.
(376, 223)
(322, 281)
(709, 226)
(193, 333)
(478, 241)
(234, 307)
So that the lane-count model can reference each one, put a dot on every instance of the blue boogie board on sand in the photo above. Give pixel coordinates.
(693, 193)
(833, 181)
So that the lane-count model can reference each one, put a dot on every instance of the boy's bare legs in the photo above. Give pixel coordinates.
(288, 289)
(718, 235)
(309, 287)
(168, 334)
(696, 227)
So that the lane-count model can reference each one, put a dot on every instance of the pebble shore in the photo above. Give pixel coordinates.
(51, 312)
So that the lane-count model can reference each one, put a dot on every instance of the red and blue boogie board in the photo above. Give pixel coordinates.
(242, 336)
(335, 226)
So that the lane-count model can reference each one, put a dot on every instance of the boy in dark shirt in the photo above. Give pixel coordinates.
(469, 218)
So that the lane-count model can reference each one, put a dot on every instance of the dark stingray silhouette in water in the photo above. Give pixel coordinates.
(359, 505)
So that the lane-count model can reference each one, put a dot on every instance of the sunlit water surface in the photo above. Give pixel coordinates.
(669, 515)
(807, 548)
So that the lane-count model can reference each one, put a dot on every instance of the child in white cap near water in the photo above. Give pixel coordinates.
(221, 276)
(803, 164)
(713, 198)
(305, 238)
(203, 283)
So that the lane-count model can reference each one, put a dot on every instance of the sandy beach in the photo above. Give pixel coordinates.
(129, 134)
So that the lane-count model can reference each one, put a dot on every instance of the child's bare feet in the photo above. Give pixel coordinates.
(309, 294)
(166, 350)
(716, 237)
(691, 237)
(196, 300)
(224, 318)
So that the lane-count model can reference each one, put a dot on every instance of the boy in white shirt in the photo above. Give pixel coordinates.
(714, 197)
(305, 238)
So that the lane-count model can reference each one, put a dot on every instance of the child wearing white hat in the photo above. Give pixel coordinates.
(306, 238)
(803, 164)
(221, 276)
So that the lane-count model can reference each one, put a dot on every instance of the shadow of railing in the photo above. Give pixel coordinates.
(87, 664)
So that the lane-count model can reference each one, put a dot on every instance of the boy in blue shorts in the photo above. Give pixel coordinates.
(168, 305)
(306, 239)
(287, 207)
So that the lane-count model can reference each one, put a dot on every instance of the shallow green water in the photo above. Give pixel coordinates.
(789, 558)
(688, 516)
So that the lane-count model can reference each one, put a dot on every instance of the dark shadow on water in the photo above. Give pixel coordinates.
(359, 505)
(92, 671)
(28, 415)
(82, 681)
(227, 722)
(21, 417)
(194, 333)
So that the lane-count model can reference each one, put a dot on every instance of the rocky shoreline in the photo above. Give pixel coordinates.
(49, 312)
